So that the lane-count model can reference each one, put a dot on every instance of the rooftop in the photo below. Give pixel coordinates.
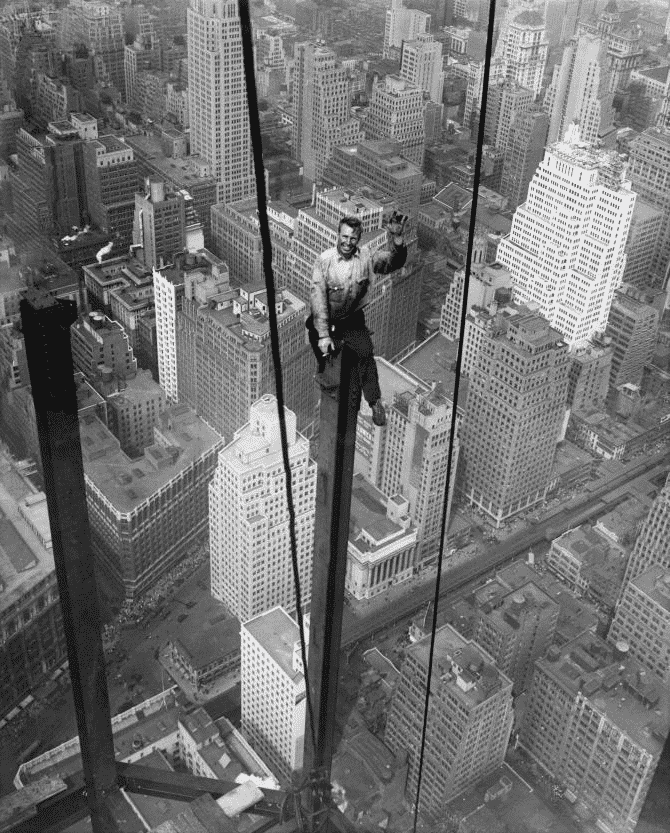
(127, 483)
(621, 690)
(277, 633)
(214, 641)
(176, 169)
(460, 664)
(24, 561)
(370, 528)
(580, 541)
(655, 583)
(434, 362)
(656, 73)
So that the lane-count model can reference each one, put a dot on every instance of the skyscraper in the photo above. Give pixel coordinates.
(236, 239)
(273, 690)
(649, 171)
(652, 546)
(98, 26)
(112, 179)
(421, 64)
(580, 91)
(517, 631)
(505, 102)
(402, 25)
(524, 149)
(168, 297)
(633, 326)
(396, 112)
(566, 246)
(322, 110)
(642, 620)
(250, 554)
(588, 724)
(217, 96)
(522, 50)
(469, 721)
(513, 415)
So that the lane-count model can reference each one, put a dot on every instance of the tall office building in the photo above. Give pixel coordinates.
(217, 96)
(273, 690)
(421, 64)
(522, 50)
(236, 239)
(652, 546)
(513, 415)
(147, 513)
(580, 91)
(381, 166)
(524, 150)
(649, 171)
(566, 247)
(168, 297)
(396, 112)
(32, 638)
(485, 281)
(47, 181)
(589, 724)
(516, 631)
(633, 326)
(322, 116)
(505, 102)
(250, 556)
(409, 458)
(99, 27)
(112, 179)
(469, 721)
(589, 374)
(646, 227)
(642, 620)
(402, 25)
(159, 225)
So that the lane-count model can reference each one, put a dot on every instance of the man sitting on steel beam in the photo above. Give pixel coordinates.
(340, 283)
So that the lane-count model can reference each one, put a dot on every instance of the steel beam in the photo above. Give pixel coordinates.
(46, 325)
(340, 402)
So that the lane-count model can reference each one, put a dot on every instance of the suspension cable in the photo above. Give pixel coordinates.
(454, 409)
(255, 130)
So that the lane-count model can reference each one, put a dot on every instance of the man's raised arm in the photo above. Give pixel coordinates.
(395, 256)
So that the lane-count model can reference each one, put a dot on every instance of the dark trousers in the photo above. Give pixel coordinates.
(352, 332)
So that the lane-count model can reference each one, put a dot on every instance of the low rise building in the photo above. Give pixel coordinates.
(382, 546)
(204, 656)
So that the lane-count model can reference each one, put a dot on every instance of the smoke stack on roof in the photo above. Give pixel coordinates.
(104, 251)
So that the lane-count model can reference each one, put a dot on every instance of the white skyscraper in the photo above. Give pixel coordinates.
(402, 25)
(566, 247)
(524, 50)
(322, 116)
(217, 96)
(273, 690)
(250, 552)
(580, 91)
(168, 295)
(422, 65)
(397, 112)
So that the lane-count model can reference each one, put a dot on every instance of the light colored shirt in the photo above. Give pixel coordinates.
(340, 285)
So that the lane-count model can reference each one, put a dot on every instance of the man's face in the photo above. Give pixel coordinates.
(347, 241)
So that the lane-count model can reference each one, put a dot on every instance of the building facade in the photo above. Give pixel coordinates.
(250, 553)
(397, 112)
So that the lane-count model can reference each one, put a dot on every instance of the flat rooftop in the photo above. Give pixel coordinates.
(176, 169)
(433, 361)
(477, 668)
(623, 691)
(24, 561)
(277, 633)
(368, 517)
(655, 583)
(127, 483)
(212, 641)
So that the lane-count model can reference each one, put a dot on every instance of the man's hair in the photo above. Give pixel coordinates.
(353, 222)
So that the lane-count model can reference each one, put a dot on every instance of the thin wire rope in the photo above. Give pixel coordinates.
(454, 409)
(255, 130)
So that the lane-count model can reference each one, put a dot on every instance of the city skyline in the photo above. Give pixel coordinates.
(128, 189)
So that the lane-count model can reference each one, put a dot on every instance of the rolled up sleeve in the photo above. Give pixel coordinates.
(319, 298)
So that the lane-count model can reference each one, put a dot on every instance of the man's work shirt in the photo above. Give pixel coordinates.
(340, 286)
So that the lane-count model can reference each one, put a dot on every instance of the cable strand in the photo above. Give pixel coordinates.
(257, 153)
(454, 409)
